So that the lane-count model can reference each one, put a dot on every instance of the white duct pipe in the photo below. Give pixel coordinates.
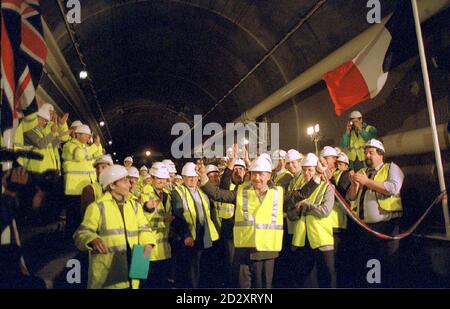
(415, 142)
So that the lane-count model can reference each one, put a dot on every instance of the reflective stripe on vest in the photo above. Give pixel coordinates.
(259, 223)
(249, 220)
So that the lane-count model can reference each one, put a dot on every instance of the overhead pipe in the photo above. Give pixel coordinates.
(415, 141)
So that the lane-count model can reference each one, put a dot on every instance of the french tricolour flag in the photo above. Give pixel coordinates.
(364, 76)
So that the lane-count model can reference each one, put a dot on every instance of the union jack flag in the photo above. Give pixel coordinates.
(23, 55)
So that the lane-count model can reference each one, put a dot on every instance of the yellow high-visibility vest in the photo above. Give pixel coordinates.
(296, 184)
(104, 219)
(277, 178)
(258, 224)
(338, 215)
(78, 169)
(386, 202)
(162, 250)
(226, 210)
(190, 214)
(318, 230)
(356, 147)
(48, 162)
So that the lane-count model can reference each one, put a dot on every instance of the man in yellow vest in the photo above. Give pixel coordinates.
(39, 140)
(356, 135)
(376, 192)
(258, 223)
(158, 211)
(280, 175)
(341, 181)
(111, 227)
(94, 191)
(313, 242)
(79, 172)
(192, 210)
(63, 130)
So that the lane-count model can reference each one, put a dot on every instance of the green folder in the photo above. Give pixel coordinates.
(139, 264)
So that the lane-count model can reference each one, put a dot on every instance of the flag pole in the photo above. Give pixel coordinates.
(437, 150)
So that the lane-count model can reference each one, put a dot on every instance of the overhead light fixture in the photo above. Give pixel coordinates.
(83, 74)
(102, 123)
(148, 153)
(114, 153)
(110, 142)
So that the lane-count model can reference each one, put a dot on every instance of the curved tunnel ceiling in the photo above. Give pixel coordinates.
(155, 63)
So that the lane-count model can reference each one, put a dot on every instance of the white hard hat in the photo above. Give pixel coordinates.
(338, 150)
(240, 162)
(128, 159)
(48, 107)
(261, 164)
(355, 114)
(310, 160)
(266, 156)
(328, 151)
(279, 154)
(211, 168)
(178, 177)
(104, 159)
(343, 158)
(133, 172)
(160, 170)
(83, 129)
(375, 144)
(143, 168)
(189, 170)
(112, 174)
(147, 176)
(293, 155)
(274, 163)
(44, 113)
(170, 166)
(76, 123)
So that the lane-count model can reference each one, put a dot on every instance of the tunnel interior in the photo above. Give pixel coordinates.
(155, 63)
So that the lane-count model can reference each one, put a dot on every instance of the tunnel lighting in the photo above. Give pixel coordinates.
(117, 161)
(83, 74)
(110, 142)
(148, 153)
(102, 123)
(114, 153)
(245, 141)
(313, 129)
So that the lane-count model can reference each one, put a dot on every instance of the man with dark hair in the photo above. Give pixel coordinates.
(376, 190)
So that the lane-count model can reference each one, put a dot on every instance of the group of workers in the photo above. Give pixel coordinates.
(261, 223)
